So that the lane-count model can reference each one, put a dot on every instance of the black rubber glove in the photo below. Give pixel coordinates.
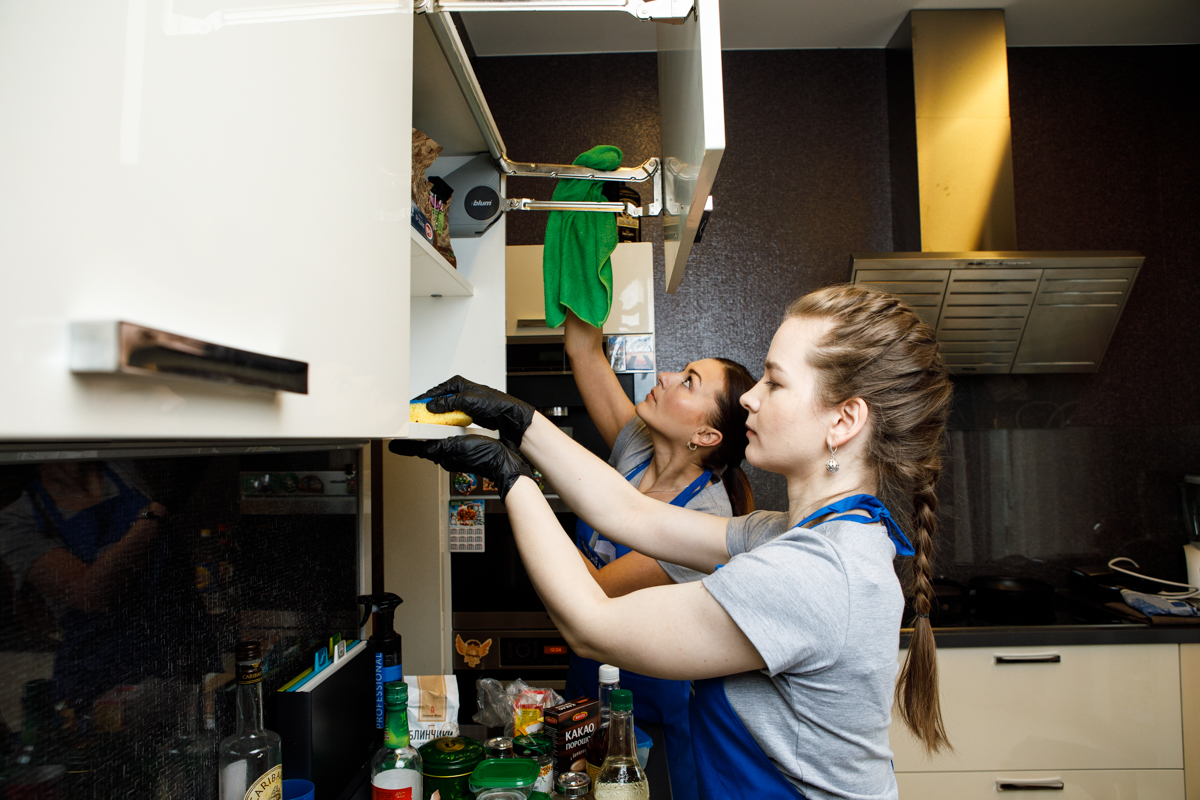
(488, 407)
(480, 455)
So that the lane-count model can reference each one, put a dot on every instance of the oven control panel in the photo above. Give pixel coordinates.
(510, 649)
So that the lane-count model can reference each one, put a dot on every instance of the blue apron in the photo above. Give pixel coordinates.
(729, 763)
(100, 651)
(655, 701)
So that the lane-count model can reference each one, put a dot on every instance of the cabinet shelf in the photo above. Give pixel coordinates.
(432, 275)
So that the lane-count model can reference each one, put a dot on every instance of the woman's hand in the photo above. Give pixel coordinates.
(476, 454)
(487, 406)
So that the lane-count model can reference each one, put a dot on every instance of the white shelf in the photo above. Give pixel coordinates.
(424, 430)
(432, 275)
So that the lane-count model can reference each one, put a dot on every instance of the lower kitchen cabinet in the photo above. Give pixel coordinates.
(1099, 784)
(1103, 719)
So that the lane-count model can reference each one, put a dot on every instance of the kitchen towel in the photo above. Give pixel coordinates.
(576, 261)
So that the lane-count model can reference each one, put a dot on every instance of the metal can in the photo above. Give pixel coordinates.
(538, 747)
(572, 784)
(447, 763)
(499, 747)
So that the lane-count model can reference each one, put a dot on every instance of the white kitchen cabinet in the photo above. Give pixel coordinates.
(1107, 716)
(1117, 784)
(633, 291)
(247, 185)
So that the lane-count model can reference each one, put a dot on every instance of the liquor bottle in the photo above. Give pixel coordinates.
(621, 776)
(396, 767)
(207, 553)
(38, 765)
(188, 768)
(610, 679)
(251, 764)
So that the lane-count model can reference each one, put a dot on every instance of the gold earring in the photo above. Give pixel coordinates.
(691, 446)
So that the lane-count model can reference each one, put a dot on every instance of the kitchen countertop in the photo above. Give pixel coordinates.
(1060, 635)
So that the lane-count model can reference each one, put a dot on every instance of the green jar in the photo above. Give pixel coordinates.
(447, 764)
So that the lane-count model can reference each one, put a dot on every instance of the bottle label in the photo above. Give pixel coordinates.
(268, 786)
(384, 675)
(396, 784)
(249, 672)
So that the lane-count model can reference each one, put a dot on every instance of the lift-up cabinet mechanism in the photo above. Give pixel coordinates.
(690, 98)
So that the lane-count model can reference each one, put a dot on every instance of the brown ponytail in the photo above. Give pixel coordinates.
(730, 419)
(878, 349)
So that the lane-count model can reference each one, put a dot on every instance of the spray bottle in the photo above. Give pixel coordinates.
(384, 643)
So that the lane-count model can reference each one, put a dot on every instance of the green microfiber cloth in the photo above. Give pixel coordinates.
(576, 263)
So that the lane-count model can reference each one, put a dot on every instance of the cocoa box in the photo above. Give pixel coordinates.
(570, 727)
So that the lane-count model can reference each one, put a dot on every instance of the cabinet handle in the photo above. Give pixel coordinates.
(126, 348)
(531, 323)
(1032, 658)
(1051, 785)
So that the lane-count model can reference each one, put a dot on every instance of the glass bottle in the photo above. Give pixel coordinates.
(38, 765)
(189, 766)
(610, 679)
(622, 777)
(250, 760)
(396, 767)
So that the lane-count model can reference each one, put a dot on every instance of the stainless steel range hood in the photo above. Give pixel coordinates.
(996, 309)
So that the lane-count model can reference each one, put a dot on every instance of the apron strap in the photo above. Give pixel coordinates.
(878, 513)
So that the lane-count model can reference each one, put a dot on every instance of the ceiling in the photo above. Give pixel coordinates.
(797, 24)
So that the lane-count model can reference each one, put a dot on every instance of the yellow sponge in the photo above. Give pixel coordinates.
(417, 412)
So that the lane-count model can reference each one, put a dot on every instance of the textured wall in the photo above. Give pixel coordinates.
(1105, 157)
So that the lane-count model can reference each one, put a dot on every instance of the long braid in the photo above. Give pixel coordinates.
(877, 348)
(917, 687)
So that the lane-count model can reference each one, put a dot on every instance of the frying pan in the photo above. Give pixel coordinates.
(1013, 601)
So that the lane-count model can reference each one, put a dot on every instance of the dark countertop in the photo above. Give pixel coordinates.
(1060, 635)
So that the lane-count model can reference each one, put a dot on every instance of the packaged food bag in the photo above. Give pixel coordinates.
(432, 707)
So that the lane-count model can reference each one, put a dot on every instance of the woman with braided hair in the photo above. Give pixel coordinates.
(792, 636)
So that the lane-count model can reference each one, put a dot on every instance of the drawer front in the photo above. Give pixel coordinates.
(1115, 784)
(1096, 707)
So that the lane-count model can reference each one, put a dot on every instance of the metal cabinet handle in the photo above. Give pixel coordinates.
(1032, 658)
(126, 348)
(1051, 785)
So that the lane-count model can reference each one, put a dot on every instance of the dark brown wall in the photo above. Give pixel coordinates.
(1105, 144)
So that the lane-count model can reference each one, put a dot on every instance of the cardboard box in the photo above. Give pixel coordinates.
(570, 727)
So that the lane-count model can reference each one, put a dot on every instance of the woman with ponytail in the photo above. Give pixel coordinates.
(791, 637)
(683, 444)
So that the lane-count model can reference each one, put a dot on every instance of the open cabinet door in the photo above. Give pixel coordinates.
(691, 102)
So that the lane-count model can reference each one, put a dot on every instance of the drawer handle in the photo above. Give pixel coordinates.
(1030, 786)
(532, 323)
(1033, 658)
(126, 348)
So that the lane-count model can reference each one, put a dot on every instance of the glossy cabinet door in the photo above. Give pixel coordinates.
(233, 172)
(1120, 784)
(691, 98)
(1101, 707)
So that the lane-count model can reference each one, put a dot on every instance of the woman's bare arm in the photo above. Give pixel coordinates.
(609, 503)
(628, 573)
(678, 632)
(605, 400)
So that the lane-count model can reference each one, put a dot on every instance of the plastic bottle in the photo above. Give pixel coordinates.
(386, 646)
(621, 776)
(610, 680)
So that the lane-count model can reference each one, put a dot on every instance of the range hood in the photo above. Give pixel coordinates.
(996, 309)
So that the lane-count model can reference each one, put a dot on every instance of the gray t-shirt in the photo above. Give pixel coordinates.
(634, 446)
(823, 608)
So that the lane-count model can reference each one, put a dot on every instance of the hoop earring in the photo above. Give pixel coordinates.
(832, 465)
(692, 446)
